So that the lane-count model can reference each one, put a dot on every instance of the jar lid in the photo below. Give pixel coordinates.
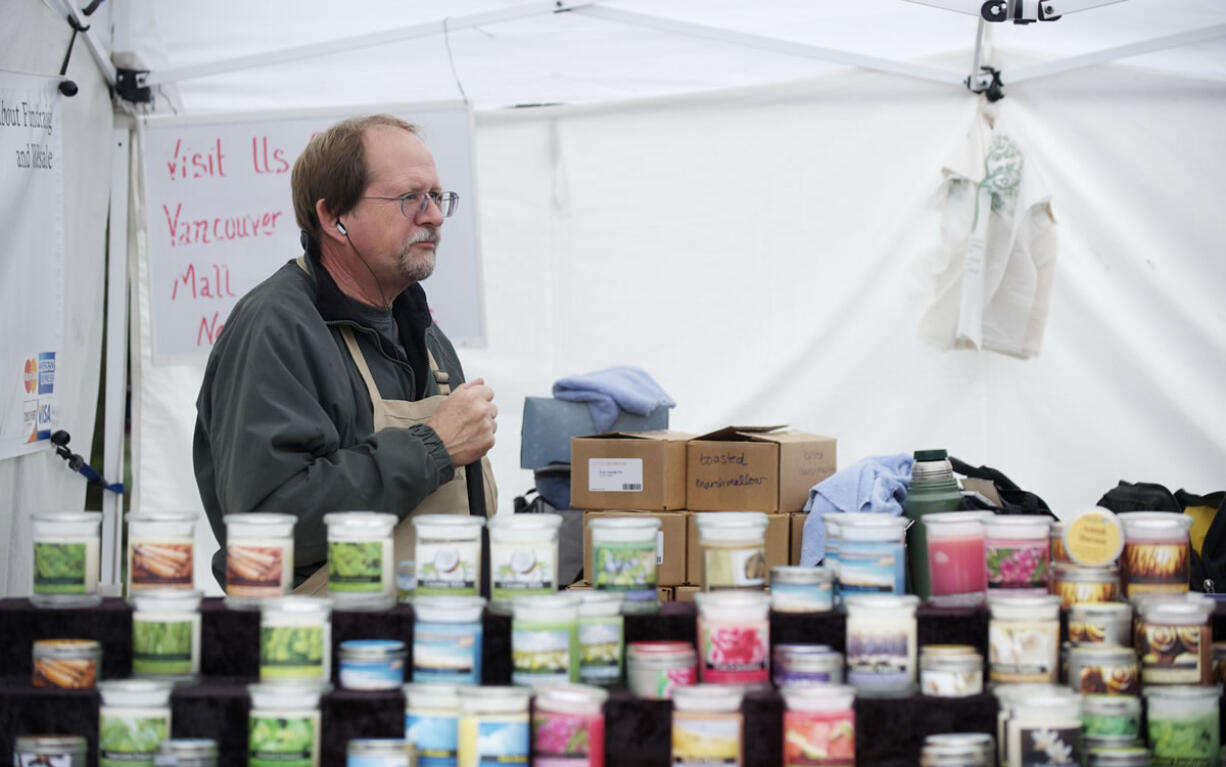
(660, 649)
(68, 517)
(707, 697)
(624, 523)
(1111, 705)
(494, 699)
(803, 649)
(1073, 573)
(1102, 653)
(571, 698)
(51, 744)
(67, 648)
(1018, 523)
(964, 754)
(1082, 611)
(167, 600)
(948, 650)
(463, 522)
(949, 523)
(1181, 608)
(372, 649)
(742, 520)
(378, 747)
(1093, 537)
(754, 601)
(260, 518)
(801, 575)
(443, 608)
(299, 695)
(979, 740)
(1118, 756)
(600, 602)
(1184, 692)
(372, 520)
(432, 695)
(195, 748)
(819, 697)
(873, 527)
(881, 601)
(559, 600)
(1151, 522)
(297, 604)
(524, 522)
(135, 692)
(1014, 606)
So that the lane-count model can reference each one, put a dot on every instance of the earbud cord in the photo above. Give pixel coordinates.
(378, 284)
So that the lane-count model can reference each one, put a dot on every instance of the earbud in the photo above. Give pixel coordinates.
(341, 228)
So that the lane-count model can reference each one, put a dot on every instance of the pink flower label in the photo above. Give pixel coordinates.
(1017, 566)
(735, 652)
(567, 740)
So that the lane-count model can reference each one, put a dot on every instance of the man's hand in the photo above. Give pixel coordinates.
(465, 422)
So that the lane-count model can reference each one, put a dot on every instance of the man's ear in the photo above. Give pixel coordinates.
(330, 225)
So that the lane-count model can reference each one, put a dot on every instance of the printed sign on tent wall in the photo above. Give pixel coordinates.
(221, 218)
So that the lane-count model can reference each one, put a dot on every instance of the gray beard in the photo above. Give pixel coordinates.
(420, 268)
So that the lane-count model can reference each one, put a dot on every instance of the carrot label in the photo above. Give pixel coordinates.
(160, 565)
(255, 571)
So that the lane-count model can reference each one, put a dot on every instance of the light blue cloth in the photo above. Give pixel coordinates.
(607, 391)
(877, 484)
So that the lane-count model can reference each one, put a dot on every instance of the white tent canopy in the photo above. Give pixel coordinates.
(718, 197)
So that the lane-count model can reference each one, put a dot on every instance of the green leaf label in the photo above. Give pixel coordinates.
(276, 741)
(163, 647)
(59, 568)
(355, 566)
(291, 651)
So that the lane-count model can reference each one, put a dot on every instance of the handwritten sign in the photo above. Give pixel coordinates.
(221, 218)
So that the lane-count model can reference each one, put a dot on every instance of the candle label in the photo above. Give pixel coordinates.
(1038, 746)
(1175, 654)
(1078, 592)
(355, 566)
(435, 736)
(1058, 554)
(158, 564)
(448, 567)
(283, 741)
(27, 759)
(600, 650)
(802, 597)
(494, 743)
(378, 761)
(1155, 567)
(1013, 565)
(951, 684)
(524, 568)
(1106, 680)
(706, 739)
(1093, 538)
(734, 567)
(819, 739)
(628, 566)
(59, 568)
(956, 565)
(871, 567)
(291, 652)
(65, 673)
(659, 684)
(543, 653)
(734, 653)
(448, 653)
(567, 740)
(1192, 741)
(166, 644)
(1111, 725)
(129, 737)
(1023, 651)
(1099, 632)
(879, 651)
(255, 571)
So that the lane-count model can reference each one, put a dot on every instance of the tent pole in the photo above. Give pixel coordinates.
(102, 57)
(971, 81)
(1122, 52)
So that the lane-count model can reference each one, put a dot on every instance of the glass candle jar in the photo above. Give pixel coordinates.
(1176, 640)
(523, 555)
(448, 554)
(1183, 726)
(707, 726)
(950, 671)
(371, 664)
(940, 755)
(796, 589)
(796, 665)
(1219, 662)
(296, 640)
(161, 550)
(1075, 584)
(49, 750)
(545, 639)
(1024, 639)
(166, 634)
(66, 546)
(819, 725)
(732, 545)
(360, 561)
(1058, 555)
(568, 726)
(1156, 551)
(133, 718)
(881, 647)
(431, 723)
(733, 637)
(624, 558)
(956, 557)
(259, 557)
(979, 743)
(1121, 756)
(654, 669)
(1044, 728)
(1016, 551)
(1110, 720)
(379, 752)
(871, 558)
(601, 636)
(1100, 669)
(1100, 623)
(70, 664)
(406, 580)
(186, 752)
(494, 726)
(447, 639)
(830, 520)
(284, 725)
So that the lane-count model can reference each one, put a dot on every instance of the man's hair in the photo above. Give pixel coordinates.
(333, 168)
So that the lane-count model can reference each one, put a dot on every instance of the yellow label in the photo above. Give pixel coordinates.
(1094, 538)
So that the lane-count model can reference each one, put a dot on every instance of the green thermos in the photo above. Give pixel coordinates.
(933, 489)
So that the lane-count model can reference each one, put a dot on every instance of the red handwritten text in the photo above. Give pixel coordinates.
(210, 327)
(203, 285)
(264, 161)
(204, 231)
(188, 164)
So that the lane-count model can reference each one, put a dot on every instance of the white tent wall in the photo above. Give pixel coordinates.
(33, 40)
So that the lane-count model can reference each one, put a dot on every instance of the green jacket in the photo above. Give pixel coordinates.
(284, 422)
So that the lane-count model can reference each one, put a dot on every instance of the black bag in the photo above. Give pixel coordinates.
(1013, 499)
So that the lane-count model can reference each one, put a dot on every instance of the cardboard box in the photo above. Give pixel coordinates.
(778, 547)
(670, 543)
(645, 471)
(685, 593)
(798, 533)
(549, 424)
(755, 468)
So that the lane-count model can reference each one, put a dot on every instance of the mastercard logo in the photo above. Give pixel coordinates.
(31, 376)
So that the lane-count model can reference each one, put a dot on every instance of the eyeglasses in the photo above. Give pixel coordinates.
(414, 204)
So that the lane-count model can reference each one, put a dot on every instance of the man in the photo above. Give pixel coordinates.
(330, 388)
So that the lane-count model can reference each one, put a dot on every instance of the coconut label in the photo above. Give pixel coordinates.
(1023, 651)
(735, 567)
(448, 567)
(523, 568)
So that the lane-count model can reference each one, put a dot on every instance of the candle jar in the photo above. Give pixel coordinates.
(568, 726)
(1156, 551)
(379, 752)
(296, 640)
(624, 558)
(1024, 639)
(1016, 551)
(981, 744)
(950, 671)
(66, 546)
(830, 520)
(819, 725)
(601, 636)
(166, 634)
(1219, 662)
(1044, 728)
(733, 637)
(1075, 584)
(284, 725)
(406, 581)
(360, 562)
(494, 726)
(707, 726)
(161, 550)
(448, 554)
(1100, 669)
(1176, 640)
(371, 664)
(732, 545)
(1100, 623)
(655, 669)
(1110, 720)
(796, 665)
(940, 755)
(1118, 756)
(797, 589)
(956, 557)
(431, 723)
(1183, 727)
(70, 664)
(447, 639)
(259, 558)
(523, 555)
(133, 718)
(880, 645)
(51, 750)
(186, 752)
(1058, 554)
(871, 558)
(545, 639)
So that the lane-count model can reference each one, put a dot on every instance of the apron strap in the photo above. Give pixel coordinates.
(359, 359)
(301, 261)
(440, 377)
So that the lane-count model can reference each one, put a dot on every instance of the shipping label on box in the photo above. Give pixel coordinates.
(670, 544)
(755, 468)
(642, 470)
(777, 539)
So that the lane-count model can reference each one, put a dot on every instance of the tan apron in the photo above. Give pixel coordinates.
(451, 498)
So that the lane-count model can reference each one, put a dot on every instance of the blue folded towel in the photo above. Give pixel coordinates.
(606, 391)
(877, 484)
